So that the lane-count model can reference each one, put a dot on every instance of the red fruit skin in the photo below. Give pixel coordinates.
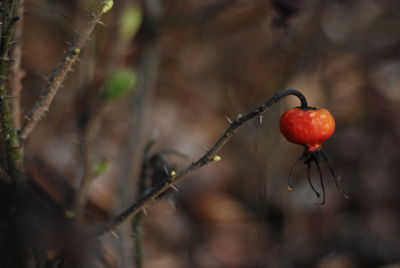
(309, 128)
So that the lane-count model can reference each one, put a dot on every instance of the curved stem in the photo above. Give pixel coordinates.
(304, 158)
(208, 157)
(308, 167)
(332, 170)
(321, 181)
(137, 221)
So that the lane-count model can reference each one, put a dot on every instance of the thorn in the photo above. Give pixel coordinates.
(229, 120)
(165, 169)
(114, 234)
(173, 187)
(205, 148)
(144, 210)
(101, 23)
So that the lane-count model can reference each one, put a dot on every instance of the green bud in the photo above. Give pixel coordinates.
(217, 158)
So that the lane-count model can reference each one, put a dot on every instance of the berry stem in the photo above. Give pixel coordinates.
(276, 98)
(287, 92)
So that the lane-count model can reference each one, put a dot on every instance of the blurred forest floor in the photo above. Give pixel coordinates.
(206, 64)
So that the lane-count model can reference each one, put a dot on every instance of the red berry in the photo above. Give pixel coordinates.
(308, 127)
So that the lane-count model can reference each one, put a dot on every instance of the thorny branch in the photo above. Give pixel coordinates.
(60, 72)
(208, 157)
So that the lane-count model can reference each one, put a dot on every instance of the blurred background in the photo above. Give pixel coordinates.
(191, 64)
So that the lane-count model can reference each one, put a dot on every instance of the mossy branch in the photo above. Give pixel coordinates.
(9, 134)
(62, 69)
(16, 71)
(209, 156)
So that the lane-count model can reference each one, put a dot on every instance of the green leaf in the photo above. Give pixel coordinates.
(131, 20)
(119, 84)
(101, 168)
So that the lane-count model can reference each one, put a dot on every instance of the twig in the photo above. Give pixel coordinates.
(137, 221)
(137, 124)
(60, 72)
(139, 102)
(9, 135)
(208, 157)
(16, 72)
(138, 237)
(89, 133)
